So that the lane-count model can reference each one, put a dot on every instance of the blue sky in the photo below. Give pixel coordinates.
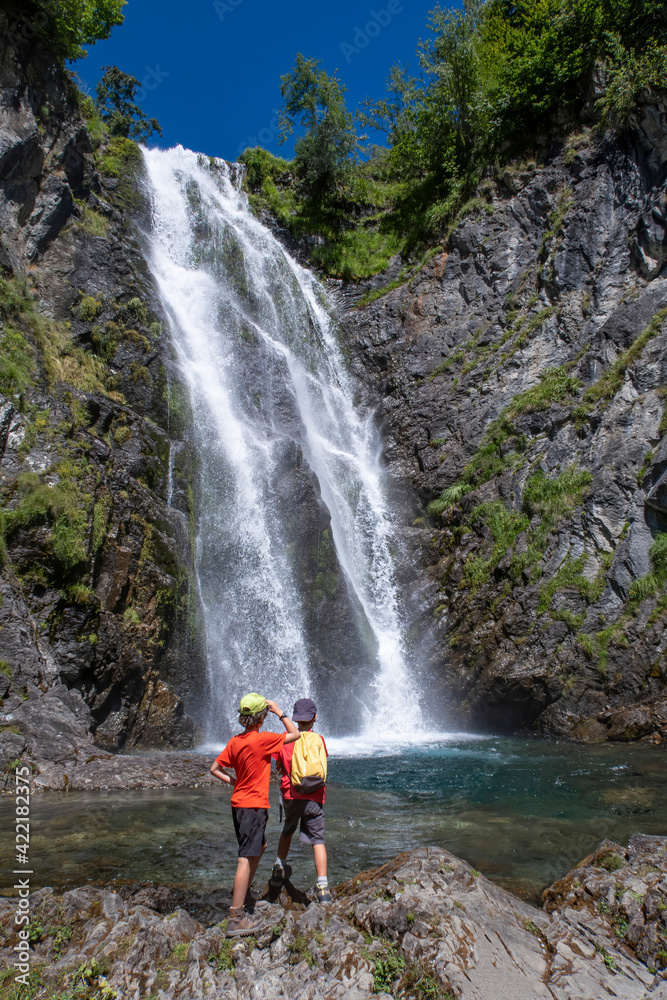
(211, 69)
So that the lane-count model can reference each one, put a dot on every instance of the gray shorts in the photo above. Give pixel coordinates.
(311, 817)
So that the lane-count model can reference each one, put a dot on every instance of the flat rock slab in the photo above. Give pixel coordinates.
(426, 924)
(98, 770)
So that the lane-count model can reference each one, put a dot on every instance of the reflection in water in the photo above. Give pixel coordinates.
(522, 812)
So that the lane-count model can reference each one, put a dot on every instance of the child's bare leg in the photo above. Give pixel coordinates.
(241, 882)
(254, 862)
(320, 852)
(284, 845)
(245, 873)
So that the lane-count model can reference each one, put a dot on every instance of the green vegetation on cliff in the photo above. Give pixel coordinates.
(31, 340)
(65, 26)
(520, 541)
(497, 79)
(503, 444)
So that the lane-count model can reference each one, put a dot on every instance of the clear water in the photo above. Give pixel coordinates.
(269, 387)
(522, 812)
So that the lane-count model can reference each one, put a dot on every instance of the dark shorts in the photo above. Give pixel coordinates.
(311, 817)
(250, 825)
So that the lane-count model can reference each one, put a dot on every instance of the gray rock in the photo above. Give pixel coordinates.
(427, 916)
(446, 354)
(55, 726)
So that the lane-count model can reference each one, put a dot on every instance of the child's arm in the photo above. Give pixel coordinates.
(293, 733)
(218, 772)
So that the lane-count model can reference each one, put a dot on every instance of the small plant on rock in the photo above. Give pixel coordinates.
(417, 983)
(90, 308)
(389, 966)
(225, 957)
(300, 952)
(611, 862)
(138, 310)
(122, 434)
(61, 935)
(620, 927)
(35, 932)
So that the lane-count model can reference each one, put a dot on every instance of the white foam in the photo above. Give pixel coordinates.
(393, 744)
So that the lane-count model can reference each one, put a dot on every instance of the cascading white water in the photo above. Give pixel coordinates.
(266, 377)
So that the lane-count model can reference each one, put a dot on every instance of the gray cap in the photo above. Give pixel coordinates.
(304, 710)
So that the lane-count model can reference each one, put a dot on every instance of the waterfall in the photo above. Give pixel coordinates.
(273, 404)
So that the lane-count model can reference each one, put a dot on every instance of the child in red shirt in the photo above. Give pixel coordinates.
(249, 756)
(303, 810)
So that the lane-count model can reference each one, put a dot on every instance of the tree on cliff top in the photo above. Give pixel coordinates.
(498, 75)
(65, 26)
(116, 93)
(315, 101)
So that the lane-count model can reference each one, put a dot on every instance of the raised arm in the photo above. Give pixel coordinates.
(293, 733)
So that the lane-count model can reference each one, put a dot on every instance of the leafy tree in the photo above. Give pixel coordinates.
(395, 116)
(116, 94)
(315, 101)
(496, 77)
(453, 65)
(547, 50)
(437, 124)
(65, 26)
(498, 74)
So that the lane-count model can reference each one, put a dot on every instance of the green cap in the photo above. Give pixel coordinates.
(251, 704)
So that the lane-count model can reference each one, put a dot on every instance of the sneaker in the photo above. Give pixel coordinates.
(241, 924)
(323, 894)
(278, 875)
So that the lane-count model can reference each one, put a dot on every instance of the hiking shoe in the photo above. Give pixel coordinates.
(323, 894)
(241, 924)
(251, 904)
(278, 875)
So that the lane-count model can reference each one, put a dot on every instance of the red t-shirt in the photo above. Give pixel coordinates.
(284, 762)
(249, 754)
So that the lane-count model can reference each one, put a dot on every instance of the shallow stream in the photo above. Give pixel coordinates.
(521, 811)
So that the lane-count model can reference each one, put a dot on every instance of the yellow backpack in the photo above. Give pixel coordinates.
(309, 764)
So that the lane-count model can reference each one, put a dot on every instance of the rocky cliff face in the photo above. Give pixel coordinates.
(98, 613)
(522, 382)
